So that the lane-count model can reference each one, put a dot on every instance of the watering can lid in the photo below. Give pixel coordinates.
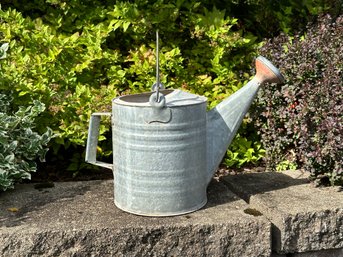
(173, 98)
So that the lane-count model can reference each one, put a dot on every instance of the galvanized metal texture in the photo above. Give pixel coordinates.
(157, 88)
(159, 168)
(92, 140)
(173, 98)
(225, 119)
(166, 152)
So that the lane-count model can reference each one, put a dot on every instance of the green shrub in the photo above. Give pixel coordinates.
(62, 71)
(246, 148)
(302, 124)
(3, 50)
(20, 145)
(76, 57)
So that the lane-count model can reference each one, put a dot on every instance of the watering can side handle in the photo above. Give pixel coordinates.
(92, 140)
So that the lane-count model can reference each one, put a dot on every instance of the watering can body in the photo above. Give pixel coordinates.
(166, 152)
(159, 155)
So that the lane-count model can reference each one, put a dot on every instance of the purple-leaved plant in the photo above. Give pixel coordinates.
(301, 121)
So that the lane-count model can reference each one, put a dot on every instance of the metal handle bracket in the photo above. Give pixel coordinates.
(92, 140)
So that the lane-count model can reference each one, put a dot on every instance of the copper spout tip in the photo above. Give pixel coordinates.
(267, 72)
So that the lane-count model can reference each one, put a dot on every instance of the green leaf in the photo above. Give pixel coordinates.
(22, 93)
(126, 25)
(12, 146)
(10, 158)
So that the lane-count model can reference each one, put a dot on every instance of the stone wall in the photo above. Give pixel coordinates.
(255, 214)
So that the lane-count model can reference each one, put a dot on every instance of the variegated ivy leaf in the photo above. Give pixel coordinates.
(20, 144)
(3, 49)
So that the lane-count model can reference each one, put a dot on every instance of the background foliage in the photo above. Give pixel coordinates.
(302, 123)
(75, 56)
(20, 145)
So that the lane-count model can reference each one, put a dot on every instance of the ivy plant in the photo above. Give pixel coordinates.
(20, 145)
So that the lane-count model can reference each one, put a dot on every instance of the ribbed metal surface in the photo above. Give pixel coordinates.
(166, 152)
(159, 169)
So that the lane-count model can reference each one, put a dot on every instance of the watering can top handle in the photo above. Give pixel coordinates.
(267, 71)
(157, 99)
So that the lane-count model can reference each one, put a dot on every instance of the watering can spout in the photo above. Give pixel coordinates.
(224, 120)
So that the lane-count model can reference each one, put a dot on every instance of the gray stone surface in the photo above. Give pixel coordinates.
(320, 253)
(279, 255)
(304, 218)
(80, 219)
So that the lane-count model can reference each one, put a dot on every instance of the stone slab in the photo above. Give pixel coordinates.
(320, 253)
(80, 219)
(305, 218)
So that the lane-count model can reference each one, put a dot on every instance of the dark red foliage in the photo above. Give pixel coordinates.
(302, 120)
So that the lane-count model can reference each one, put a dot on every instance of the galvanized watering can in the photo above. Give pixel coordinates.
(166, 147)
